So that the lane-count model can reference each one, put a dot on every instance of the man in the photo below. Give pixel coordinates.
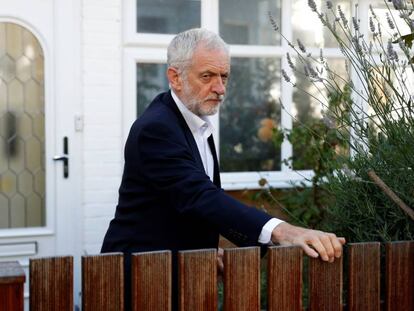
(170, 195)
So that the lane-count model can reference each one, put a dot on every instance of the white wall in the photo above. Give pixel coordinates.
(102, 102)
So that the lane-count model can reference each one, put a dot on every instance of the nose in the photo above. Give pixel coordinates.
(219, 87)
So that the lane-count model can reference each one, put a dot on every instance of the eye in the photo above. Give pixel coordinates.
(206, 77)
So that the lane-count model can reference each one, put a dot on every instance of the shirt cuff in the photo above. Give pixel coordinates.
(265, 236)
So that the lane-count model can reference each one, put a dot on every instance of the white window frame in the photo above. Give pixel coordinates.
(151, 48)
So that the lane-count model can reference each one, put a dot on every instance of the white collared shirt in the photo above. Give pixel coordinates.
(201, 129)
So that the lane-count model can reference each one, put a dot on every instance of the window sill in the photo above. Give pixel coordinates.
(250, 180)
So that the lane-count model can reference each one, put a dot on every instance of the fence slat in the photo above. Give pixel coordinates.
(325, 285)
(284, 290)
(51, 283)
(242, 279)
(151, 281)
(12, 278)
(198, 280)
(103, 282)
(399, 276)
(364, 276)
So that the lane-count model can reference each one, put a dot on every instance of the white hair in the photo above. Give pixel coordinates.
(180, 50)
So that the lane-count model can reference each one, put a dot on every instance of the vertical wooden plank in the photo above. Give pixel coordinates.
(12, 279)
(242, 279)
(399, 278)
(364, 276)
(284, 278)
(325, 285)
(103, 282)
(198, 280)
(151, 281)
(51, 283)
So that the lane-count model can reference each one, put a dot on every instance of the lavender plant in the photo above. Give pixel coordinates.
(374, 121)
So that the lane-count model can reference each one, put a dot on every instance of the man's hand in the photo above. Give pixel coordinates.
(314, 242)
(220, 264)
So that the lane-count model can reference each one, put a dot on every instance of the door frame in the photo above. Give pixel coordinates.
(57, 26)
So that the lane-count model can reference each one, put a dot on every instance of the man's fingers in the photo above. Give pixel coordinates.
(309, 251)
(220, 264)
(327, 245)
(314, 242)
(317, 244)
(337, 245)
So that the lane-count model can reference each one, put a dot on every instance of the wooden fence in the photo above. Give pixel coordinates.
(51, 280)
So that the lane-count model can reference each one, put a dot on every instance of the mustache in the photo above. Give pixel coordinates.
(215, 97)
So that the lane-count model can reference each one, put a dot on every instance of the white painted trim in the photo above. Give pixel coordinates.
(250, 180)
(25, 232)
(210, 15)
(28, 248)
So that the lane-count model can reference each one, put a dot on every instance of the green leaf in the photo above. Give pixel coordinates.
(408, 40)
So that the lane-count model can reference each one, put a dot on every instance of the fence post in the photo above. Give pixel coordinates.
(399, 278)
(51, 283)
(12, 279)
(151, 281)
(364, 276)
(103, 282)
(325, 285)
(284, 270)
(242, 279)
(198, 280)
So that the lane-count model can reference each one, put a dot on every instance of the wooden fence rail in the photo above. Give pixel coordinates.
(51, 280)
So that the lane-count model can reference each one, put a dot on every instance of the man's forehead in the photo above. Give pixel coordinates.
(214, 59)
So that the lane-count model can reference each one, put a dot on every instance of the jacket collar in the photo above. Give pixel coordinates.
(169, 101)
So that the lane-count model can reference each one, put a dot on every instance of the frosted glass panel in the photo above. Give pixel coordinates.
(22, 123)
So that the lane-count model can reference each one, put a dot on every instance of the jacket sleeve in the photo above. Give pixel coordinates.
(165, 160)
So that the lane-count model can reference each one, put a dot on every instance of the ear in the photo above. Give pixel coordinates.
(174, 79)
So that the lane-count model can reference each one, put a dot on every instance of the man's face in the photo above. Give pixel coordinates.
(204, 82)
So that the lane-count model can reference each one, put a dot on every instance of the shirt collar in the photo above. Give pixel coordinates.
(195, 123)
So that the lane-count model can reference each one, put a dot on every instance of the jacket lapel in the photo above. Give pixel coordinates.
(169, 101)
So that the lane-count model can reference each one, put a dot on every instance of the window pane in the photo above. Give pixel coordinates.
(167, 16)
(381, 12)
(151, 80)
(309, 100)
(309, 29)
(249, 113)
(22, 129)
(247, 22)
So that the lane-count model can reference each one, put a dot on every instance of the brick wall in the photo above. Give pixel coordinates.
(102, 102)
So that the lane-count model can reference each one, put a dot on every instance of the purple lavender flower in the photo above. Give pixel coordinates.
(389, 21)
(301, 46)
(329, 5)
(371, 25)
(355, 23)
(398, 4)
(290, 62)
(312, 5)
(273, 22)
(342, 15)
(285, 76)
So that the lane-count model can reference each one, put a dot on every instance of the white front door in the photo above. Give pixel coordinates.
(40, 129)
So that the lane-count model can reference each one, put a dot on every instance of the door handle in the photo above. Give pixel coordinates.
(64, 158)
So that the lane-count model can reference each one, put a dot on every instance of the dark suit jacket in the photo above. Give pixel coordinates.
(166, 200)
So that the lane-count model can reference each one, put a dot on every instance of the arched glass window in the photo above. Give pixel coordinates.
(22, 128)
